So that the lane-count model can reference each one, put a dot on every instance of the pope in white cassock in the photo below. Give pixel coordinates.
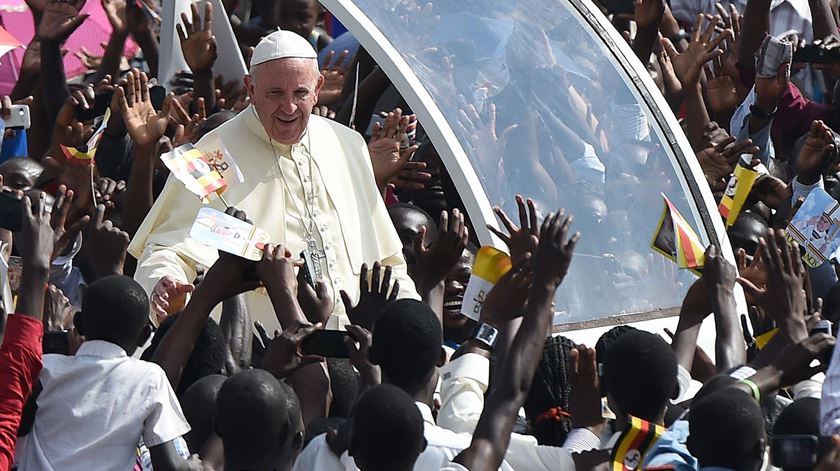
(308, 182)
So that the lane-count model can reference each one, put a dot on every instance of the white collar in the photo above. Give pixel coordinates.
(100, 349)
(426, 412)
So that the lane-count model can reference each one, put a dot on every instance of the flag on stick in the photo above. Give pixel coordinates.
(675, 239)
(490, 264)
(629, 451)
(188, 164)
(737, 190)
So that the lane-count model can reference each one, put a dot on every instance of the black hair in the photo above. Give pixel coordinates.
(640, 374)
(207, 357)
(714, 384)
(406, 344)
(252, 415)
(387, 430)
(726, 429)
(608, 338)
(344, 382)
(801, 417)
(547, 404)
(320, 426)
(199, 405)
(114, 309)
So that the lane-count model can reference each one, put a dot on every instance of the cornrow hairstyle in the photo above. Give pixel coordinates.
(547, 404)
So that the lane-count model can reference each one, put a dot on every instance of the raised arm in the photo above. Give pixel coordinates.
(223, 280)
(60, 20)
(719, 274)
(550, 265)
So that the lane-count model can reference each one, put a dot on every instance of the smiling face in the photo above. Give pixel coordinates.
(284, 91)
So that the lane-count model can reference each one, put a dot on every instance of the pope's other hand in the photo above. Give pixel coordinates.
(169, 296)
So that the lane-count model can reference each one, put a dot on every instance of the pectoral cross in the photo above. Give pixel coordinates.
(316, 256)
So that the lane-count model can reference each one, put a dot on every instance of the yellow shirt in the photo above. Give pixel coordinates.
(351, 224)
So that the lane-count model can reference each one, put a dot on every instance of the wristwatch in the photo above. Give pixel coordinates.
(485, 334)
(761, 113)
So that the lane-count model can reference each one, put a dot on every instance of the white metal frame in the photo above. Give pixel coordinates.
(461, 170)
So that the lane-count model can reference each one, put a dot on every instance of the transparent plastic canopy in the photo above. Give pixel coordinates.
(542, 98)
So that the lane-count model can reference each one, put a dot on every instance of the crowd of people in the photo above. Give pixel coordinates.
(129, 344)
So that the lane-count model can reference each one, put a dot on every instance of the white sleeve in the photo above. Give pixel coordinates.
(524, 453)
(830, 402)
(463, 384)
(581, 439)
(164, 419)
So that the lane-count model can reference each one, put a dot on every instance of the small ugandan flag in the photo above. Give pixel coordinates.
(629, 451)
(737, 190)
(676, 240)
(187, 163)
(85, 157)
(490, 264)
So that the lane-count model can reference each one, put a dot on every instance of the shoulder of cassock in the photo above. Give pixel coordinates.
(342, 158)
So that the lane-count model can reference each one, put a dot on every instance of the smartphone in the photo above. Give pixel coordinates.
(56, 342)
(101, 102)
(799, 451)
(19, 118)
(823, 327)
(326, 343)
(812, 54)
(11, 212)
(157, 94)
(308, 271)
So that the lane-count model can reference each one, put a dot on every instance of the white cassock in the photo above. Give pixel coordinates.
(348, 218)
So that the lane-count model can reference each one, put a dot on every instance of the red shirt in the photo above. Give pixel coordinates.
(20, 364)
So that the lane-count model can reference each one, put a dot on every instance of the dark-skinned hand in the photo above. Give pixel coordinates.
(64, 236)
(58, 312)
(701, 49)
(315, 302)
(585, 400)
(197, 40)
(554, 253)
(433, 263)
(61, 18)
(817, 154)
(370, 373)
(506, 300)
(109, 243)
(523, 239)
(373, 297)
(283, 356)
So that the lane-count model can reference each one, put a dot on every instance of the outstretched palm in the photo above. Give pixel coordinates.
(144, 124)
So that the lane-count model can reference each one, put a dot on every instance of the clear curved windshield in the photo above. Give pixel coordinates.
(542, 108)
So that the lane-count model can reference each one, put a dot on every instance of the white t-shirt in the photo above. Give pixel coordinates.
(95, 408)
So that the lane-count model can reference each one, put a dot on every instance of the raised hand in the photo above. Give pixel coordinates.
(648, 13)
(197, 40)
(506, 300)
(110, 244)
(115, 11)
(276, 269)
(433, 263)
(283, 356)
(721, 92)
(369, 374)
(719, 162)
(137, 21)
(784, 297)
(145, 125)
(412, 177)
(384, 148)
(584, 402)
(335, 73)
(554, 253)
(487, 145)
(768, 90)
(34, 244)
(64, 236)
(373, 296)
(58, 312)
(771, 191)
(520, 240)
(316, 303)
(701, 49)
(818, 153)
(754, 271)
(61, 18)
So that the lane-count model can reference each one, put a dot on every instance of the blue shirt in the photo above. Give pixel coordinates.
(670, 451)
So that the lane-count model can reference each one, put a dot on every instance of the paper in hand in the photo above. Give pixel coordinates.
(771, 55)
(228, 234)
(816, 226)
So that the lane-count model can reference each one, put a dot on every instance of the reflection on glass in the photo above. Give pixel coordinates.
(542, 109)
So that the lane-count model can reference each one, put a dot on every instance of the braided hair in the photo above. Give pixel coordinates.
(547, 404)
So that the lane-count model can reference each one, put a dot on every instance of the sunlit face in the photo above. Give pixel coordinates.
(284, 91)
